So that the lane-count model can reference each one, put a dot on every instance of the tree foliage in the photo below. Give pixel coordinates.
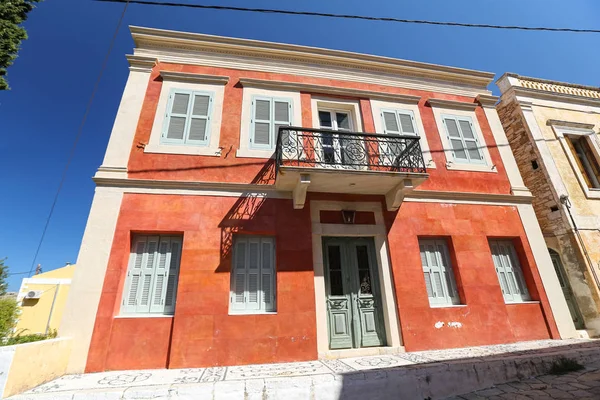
(12, 14)
(9, 312)
(3, 277)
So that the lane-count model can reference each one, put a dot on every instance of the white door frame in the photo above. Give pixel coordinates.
(388, 298)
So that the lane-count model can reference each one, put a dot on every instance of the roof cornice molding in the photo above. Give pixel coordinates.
(487, 100)
(570, 124)
(455, 105)
(306, 87)
(194, 78)
(149, 38)
(559, 97)
(141, 63)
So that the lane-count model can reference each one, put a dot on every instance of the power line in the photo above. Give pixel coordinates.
(78, 136)
(358, 17)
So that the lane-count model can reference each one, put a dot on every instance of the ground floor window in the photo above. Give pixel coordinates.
(253, 275)
(438, 272)
(151, 283)
(508, 268)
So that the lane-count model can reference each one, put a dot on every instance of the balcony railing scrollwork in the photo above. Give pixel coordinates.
(322, 148)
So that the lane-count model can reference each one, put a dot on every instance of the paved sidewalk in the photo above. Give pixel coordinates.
(348, 376)
(580, 385)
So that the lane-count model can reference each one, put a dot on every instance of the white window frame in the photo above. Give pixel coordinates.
(593, 141)
(273, 133)
(249, 93)
(171, 268)
(186, 141)
(377, 108)
(448, 277)
(517, 273)
(262, 306)
(157, 144)
(486, 165)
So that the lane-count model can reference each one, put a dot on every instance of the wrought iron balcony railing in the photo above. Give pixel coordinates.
(322, 148)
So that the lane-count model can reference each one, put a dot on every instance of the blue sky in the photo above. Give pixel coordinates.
(56, 69)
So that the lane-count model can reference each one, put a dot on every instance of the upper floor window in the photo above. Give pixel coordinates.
(268, 114)
(586, 160)
(438, 273)
(400, 122)
(187, 121)
(463, 139)
(253, 275)
(508, 268)
(151, 283)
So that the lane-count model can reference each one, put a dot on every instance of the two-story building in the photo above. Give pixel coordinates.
(263, 202)
(553, 130)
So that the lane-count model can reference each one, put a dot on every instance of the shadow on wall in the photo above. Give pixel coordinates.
(245, 209)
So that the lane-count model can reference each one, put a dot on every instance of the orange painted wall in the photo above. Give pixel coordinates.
(485, 319)
(201, 333)
(229, 168)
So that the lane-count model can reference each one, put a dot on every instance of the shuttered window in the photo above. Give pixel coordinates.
(253, 275)
(437, 271)
(151, 284)
(188, 118)
(585, 159)
(268, 114)
(464, 141)
(399, 122)
(509, 271)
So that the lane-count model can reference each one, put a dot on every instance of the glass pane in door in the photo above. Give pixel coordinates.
(327, 146)
(364, 272)
(336, 286)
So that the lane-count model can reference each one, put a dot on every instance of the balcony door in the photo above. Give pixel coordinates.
(354, 311)
(335, 150)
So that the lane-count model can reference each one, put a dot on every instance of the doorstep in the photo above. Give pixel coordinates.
(417, 375)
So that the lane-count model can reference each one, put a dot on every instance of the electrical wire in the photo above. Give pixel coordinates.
(77, 137)
(348, 16)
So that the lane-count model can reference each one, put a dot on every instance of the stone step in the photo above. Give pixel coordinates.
(438, 375)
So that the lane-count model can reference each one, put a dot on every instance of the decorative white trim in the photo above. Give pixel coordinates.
(47, 281)
(333, 104)
(378, 105)
(467, 197)
(244, 149)
(141, 63)
(194, 78)
(561, 129)
(335, 90)
(157, 40)
(487, 100)
(451, 104)
(451, 164)
(379, 232)
(154, 145)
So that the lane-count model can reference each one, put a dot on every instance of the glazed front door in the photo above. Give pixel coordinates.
(353, 297)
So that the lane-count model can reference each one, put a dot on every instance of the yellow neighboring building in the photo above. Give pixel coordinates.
(553, 129)
(42, 300)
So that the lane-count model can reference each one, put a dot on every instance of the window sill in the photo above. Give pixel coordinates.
(253, 313)
(183, 149)
(471, 167)
(448, 306)
(508, 303)
(592, 193)
(251, 153)
(133, 316)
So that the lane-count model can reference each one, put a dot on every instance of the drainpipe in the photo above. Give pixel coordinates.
(564, 199)
(52, 307)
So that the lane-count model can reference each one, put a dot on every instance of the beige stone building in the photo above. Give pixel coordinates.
(553, 130)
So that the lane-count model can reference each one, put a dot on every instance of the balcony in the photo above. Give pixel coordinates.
(321, 160)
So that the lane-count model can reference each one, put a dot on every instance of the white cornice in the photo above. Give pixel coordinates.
(194, 78)
(335, 90)
(570, 124)
(454, 105)
(487, 100)
(559, 97)
(141, 63)
(148, 38)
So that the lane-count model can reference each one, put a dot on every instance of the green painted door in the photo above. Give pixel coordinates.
(566, 288)
(354, 316)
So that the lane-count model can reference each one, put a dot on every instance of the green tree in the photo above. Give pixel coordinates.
(12, 15)
(9, 312)
(3, 277)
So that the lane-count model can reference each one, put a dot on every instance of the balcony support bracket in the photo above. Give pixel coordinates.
(299, 193)
(394, 197)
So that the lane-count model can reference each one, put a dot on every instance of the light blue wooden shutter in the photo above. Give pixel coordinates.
(282, 116)
(509, 271)
(261, 123)
(177, 116)
(199, 119)
(134, 275)
(238, 290)
(253, 300)
(173, 275)
(147, 276)
(159, 287)
(407, 122)
(470, 139)
(455, 139)
(267, 275)
(390, 122)
(438, 274)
